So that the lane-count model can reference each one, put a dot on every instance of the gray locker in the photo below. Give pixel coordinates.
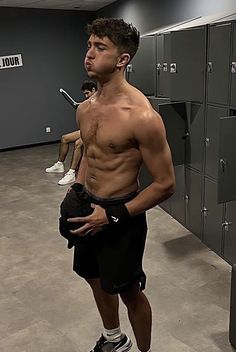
(166, 205)
(144, 177)
(218, 63)
(233, 70)
(227, 160)
(193, 201)
(195, 138)
(214, 114)
(141, 71)
(212, 218)
(174, 118)
(229, 227)
(163, 65)
(188, 62)
(177, 209)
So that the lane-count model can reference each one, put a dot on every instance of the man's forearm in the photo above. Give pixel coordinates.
(152, 195)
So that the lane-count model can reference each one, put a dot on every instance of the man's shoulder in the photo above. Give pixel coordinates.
(141, 107)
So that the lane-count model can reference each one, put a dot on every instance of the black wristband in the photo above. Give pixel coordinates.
(117, 214)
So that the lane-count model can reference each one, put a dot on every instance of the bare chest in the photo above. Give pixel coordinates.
(108, 131)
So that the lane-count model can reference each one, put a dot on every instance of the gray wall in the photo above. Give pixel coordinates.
(52, 44)
(147, 15)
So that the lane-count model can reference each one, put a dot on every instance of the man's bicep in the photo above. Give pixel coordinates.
(155, 151)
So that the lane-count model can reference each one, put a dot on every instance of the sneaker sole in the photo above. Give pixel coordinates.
(54, 172)
(126, 347)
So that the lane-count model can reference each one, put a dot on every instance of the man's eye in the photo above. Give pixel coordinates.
(101, 48)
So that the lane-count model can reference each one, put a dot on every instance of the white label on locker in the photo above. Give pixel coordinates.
(10, 61)
(173, 68)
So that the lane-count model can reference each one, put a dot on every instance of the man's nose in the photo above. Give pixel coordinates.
(90, 53)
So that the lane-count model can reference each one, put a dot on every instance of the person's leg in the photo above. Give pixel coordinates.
(107, 304)
(70, 176)
(64, 145)
(77, 153)
(112, 338)
(63, 150)
(140, 316)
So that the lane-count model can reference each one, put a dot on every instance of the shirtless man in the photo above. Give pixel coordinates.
(103, 215)
(88, 88)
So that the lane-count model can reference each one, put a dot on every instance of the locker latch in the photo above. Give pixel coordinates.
(186, 198)
(207, 142)
(233, 67)
(165, 67)
(223, 164)
(129, 68)
(159, 66)
(173, 68)
(226, 225)
(186, 135)
(204, 211)
(209, 67)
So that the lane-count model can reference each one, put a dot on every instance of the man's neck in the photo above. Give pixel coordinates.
(111, 87)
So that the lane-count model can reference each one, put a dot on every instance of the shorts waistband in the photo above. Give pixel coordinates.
(112, 200)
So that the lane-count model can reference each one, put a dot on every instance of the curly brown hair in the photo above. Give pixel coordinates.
(124, 35)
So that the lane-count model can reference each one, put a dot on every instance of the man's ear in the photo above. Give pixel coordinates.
(123, 60)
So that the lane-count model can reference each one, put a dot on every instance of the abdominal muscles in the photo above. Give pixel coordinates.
(112, 173)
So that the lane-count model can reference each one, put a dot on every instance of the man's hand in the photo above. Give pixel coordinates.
(92, 223)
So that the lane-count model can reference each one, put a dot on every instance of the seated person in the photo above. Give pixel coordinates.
(88, 88)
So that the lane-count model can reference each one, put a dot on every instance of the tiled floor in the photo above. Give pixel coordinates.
(45, 307)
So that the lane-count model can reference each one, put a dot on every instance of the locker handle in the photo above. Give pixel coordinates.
(223, 164)
(185, 135)
(209, 67)
(207, 142)
(129, 68)
(233, 67)
(186, 198)
(226, 225)
(204, 211)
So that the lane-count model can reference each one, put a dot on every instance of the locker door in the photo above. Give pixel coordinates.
(214, 114)
(213, 218)
(195, 139)
(193, 202)
(164, 71)
(188, 62)
(227, 160)
(233, 70)
(177, 200)
(230, 233)
(218, 63)
(174, 118)
(142, 67)
(145, 178)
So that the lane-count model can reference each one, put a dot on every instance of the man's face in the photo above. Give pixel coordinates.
(88, 93)
(101, 58)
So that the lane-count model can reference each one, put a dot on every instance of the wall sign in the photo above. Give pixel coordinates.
(10, 61)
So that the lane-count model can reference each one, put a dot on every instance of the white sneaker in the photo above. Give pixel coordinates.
(57, 167)
(68, 178)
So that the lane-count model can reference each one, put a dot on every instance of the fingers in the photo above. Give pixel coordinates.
(83, 230)
(77, 219)
(86, 230)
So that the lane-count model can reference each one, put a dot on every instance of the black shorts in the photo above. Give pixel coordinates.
(115, 254)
